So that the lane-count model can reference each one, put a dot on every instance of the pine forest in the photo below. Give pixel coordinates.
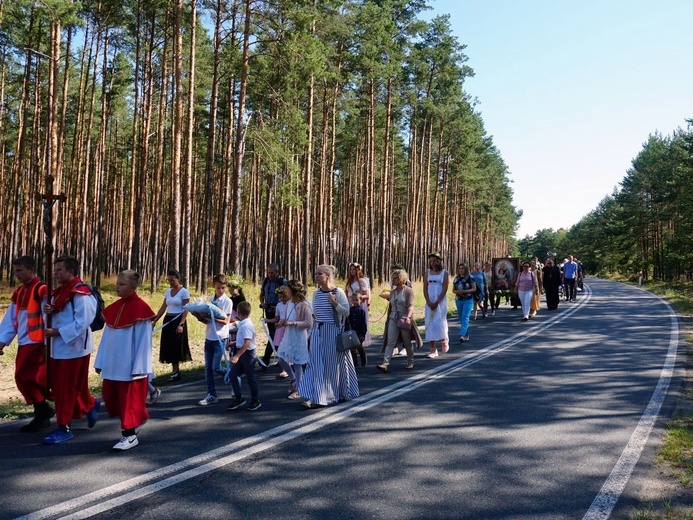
(219, 136)
(645, 225)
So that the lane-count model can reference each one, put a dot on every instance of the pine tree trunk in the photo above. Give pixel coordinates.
(239, 149)
(190, 121)
(177, 137)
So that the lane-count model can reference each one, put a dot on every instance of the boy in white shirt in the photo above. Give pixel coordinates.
(243, 360)
(216, 336)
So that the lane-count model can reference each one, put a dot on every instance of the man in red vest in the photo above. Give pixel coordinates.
(25, 321)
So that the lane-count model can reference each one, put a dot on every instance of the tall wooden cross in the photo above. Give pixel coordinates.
(48, 199)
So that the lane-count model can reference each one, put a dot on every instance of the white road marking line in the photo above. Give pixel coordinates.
(220, 457)
(211, 460)
(605, 501)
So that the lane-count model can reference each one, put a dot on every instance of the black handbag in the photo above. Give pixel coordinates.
(347, 338)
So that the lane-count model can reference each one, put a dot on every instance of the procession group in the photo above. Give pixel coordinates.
(302, 335)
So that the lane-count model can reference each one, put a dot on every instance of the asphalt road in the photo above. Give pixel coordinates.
(539, 419)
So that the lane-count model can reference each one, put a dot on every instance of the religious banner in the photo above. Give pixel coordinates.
(504, 270)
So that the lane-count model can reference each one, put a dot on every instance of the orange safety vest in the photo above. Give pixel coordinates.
(28, 297)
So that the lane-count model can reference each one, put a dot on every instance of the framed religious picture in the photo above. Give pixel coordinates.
(504, 270)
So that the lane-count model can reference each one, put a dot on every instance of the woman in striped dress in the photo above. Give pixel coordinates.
(330, 375)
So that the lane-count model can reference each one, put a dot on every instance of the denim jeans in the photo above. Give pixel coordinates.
(464, 310)
(245, 365)
(212, 349)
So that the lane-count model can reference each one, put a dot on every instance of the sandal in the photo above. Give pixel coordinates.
(154, 395)
(174, 377)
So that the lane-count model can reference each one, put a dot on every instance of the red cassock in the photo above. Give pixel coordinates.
(73, 311)
(124, 358)
(30, 372)
(70, 384)
(25, 321)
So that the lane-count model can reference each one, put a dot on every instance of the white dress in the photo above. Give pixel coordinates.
(436, 320)
(294, 347)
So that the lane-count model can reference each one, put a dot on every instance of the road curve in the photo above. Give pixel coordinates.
(538, 419)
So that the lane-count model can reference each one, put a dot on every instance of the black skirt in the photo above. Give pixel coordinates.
(174, 347)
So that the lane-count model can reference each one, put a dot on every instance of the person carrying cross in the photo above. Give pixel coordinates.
(73, 308)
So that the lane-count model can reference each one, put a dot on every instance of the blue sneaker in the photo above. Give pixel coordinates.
(59, 435)
(93, 414)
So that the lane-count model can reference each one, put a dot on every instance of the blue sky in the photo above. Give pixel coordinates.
(571, 90)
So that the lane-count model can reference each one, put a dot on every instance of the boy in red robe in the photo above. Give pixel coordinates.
(124, 358)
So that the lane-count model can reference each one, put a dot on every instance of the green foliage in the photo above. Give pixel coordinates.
(646, 224)
(363, 85)
(544, 242)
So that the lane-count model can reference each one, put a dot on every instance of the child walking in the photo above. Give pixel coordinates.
(293, 353)
(243, 360)
(278, 322)
(124, 359)
(359, 324)
(216, 336)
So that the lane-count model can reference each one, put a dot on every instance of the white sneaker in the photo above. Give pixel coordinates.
(433, 354)
(126, 443)
(210, 399)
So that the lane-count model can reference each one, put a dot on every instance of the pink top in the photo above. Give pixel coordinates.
(526, 282)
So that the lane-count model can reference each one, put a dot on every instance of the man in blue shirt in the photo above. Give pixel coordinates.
(569, 274)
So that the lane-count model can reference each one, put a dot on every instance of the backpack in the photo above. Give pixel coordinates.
(99, 321)
(477, 294)
(265, 282)
(37, 298)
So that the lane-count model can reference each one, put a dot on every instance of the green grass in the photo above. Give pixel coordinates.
(677, 449)
(663, 512)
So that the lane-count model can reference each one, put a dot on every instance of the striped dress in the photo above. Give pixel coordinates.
(330, 375)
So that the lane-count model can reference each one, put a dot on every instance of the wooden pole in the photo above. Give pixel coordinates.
(48, 199)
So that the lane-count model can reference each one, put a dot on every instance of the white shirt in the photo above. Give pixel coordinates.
(216, 330)
(281, 310)
(7, 330)
(174, 304)
(361, 285)
(72, 322)
(246, 330)
(125, 352)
